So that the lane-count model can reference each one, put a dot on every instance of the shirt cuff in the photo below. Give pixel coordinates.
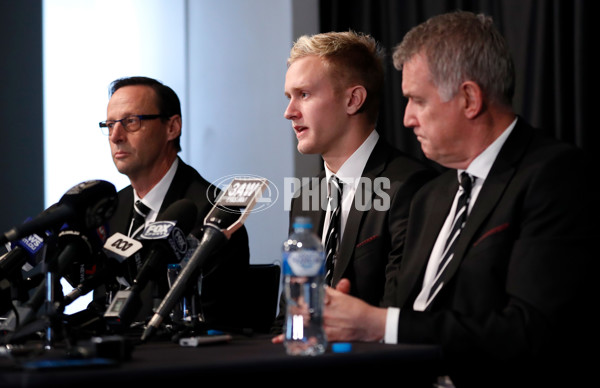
(391, 325)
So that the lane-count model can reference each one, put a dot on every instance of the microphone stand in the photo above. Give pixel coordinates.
(47, 311)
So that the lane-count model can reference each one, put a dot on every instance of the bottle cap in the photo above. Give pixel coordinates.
(302, 222)
(341, 347)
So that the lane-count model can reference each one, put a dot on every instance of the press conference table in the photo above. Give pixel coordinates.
(247, 359)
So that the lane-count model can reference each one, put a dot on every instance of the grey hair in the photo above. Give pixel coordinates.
(461, 46)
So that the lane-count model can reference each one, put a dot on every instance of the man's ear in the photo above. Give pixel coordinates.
(356, 96)
(174, 127)
(472, 97)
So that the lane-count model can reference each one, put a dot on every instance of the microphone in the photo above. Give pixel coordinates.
(22, 251)
(72, 246)
(117, 249)
(89, 284)
(83, 269)
(227, 215)
(69, 246)
(86, 205)
(85, 275)
(164, 242)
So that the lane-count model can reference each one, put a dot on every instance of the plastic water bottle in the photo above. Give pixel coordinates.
(304, 273)
(179, 313)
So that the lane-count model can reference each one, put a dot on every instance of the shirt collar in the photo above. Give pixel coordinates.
(155, 197)
(482, 164)
(353, 167)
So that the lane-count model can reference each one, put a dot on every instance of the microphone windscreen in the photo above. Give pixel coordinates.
(93, 202)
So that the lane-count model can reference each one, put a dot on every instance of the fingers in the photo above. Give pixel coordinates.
(343, 286)
(278, 339)
(339, 294)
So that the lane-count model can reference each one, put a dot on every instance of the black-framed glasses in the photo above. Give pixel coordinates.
(130, 123)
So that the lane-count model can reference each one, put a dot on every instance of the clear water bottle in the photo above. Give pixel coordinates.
(179, 313)
(304, 279)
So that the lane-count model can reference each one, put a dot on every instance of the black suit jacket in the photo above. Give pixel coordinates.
(371, 247)
(224, 272)
(518, 289)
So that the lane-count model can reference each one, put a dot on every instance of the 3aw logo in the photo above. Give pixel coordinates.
(233, 191)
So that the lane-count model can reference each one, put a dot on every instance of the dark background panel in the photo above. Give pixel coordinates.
(21, 111)
(552, 43)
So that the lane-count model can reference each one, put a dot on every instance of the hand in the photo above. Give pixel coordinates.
(347, 318)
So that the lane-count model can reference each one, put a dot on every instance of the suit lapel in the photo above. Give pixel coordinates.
(494, 186)
(320, 213)
(426, 225)
(178, 186)
(302, 204)
(120, 221)
(375, 165)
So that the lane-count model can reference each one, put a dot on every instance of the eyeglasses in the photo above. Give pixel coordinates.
(130, 123)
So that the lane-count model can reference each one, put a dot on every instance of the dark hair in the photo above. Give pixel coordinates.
(166, 99)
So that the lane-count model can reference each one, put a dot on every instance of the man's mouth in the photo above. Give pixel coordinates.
(120, 154)
(299, 129)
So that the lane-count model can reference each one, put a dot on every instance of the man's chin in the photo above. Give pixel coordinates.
(305, 149)
(123, 168)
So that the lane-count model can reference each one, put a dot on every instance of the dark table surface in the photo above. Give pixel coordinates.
(243, 358)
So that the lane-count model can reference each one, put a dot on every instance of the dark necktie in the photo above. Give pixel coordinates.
(333, 232)
(140, 212)
(460, 217)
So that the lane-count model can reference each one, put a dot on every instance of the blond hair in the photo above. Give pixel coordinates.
(351, 58)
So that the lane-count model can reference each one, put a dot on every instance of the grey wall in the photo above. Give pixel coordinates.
(237, 63)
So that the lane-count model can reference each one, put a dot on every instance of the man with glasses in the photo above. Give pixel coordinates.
(144, 127)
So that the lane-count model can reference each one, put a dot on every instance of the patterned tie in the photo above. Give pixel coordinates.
(466, 183)
(140, 212)
(333, 233)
